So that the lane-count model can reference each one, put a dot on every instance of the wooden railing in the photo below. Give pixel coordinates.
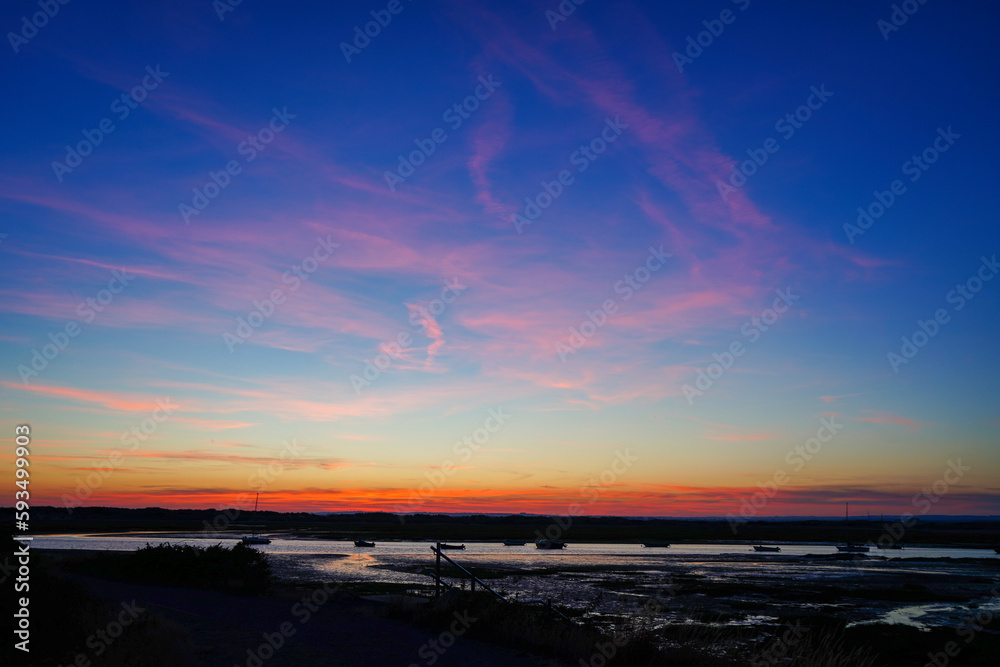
(473, 580)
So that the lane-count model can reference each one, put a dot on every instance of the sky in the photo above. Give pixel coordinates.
(632, 258)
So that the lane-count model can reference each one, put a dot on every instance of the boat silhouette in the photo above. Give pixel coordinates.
(254, 538)
(847, 547)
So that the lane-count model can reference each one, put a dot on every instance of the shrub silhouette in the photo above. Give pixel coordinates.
(240, 568)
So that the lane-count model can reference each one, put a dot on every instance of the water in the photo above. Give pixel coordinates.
(525, 554)
(724, 581)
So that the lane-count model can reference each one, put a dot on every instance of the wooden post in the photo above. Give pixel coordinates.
(437, 572)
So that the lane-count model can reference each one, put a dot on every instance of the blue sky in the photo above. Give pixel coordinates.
(320, 182)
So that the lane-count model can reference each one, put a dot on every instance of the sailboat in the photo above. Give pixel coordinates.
(847, 547)
(550, 544)
(761, 547)
(254, 538)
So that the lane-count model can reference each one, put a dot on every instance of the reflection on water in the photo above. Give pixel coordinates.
(129, 541)
(927, 616)
(729, 582)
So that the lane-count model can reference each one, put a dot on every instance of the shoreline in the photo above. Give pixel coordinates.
(742, 597)
(934, 531)
(294, 537)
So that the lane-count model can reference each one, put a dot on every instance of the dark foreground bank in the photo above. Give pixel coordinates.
(184, 606)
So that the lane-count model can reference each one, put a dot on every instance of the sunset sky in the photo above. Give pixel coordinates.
(548, 288)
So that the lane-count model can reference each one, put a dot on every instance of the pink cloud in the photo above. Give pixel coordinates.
(112, 400)
(489, 141)
(833, 399)
(911, 425)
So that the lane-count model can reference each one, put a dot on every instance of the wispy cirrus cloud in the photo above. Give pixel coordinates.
(835, 398)
(112, 400)
(875, 417)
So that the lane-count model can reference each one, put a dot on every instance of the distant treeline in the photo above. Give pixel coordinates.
(384, 525)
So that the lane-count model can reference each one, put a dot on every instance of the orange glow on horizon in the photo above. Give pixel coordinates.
(683, 502)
